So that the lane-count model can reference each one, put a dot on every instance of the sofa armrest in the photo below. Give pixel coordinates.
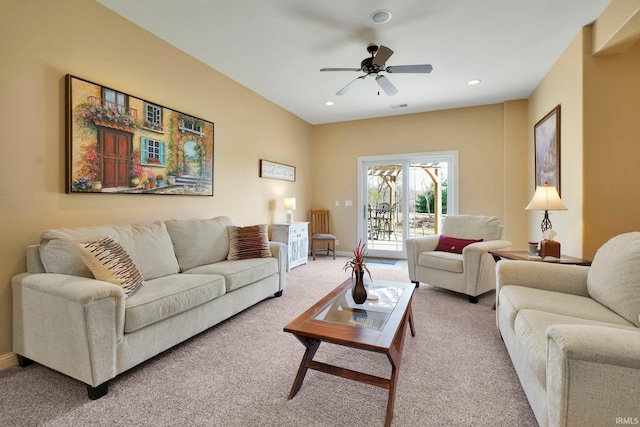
(68, 323)
(480, 266)
(593, 374)
(280, 252)
(488, 245)
(475, 254)
(417, 245)
(567, 279)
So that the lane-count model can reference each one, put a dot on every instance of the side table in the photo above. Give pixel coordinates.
(524, 256)
(296, 236)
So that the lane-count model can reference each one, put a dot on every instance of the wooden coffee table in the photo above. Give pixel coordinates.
(378, 326)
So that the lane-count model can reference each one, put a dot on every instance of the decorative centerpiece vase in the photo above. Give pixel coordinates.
(359, 291)
(358, 268)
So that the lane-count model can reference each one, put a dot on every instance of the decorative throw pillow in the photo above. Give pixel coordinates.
(108, 261)
(454, 245)
(248, 242)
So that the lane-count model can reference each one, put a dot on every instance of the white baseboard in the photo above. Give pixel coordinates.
(8, 360)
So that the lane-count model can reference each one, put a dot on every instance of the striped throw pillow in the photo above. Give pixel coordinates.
(110, 262)
(248, 242)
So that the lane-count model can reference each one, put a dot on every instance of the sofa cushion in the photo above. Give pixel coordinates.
(148, 245)
(199, 241)
(239, 273)
(167, 296)
(248, 242)
(531, 329)
(447, 261)
(453, 244)
(614, 276)
(472, 227)
(516, 298)
(108, 261)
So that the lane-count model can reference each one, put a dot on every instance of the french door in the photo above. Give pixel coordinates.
(402, 196)
(115, 151)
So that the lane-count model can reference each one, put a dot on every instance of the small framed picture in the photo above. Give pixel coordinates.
(277, 171)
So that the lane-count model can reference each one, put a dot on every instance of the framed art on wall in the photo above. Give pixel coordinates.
(117, 143)
(547, 149)
(277, 171)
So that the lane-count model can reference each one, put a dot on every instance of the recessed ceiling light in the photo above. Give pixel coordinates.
(329, 103)
(473, 82)
(381, 16)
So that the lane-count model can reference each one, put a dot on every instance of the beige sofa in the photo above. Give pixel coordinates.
(471, 270)
(573, 334)
(85, 328)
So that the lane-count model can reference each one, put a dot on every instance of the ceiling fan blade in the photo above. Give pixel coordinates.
(340, 69)
(425, 68)
(382, 55)
(350, 85)
(386, 85)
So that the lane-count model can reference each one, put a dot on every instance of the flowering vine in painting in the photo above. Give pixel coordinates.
(136, 168)
(90, 168)
(109, 114)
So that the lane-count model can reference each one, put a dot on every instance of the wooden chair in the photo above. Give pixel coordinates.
(321, 232)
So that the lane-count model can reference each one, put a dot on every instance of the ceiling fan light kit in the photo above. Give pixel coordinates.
(376, 64)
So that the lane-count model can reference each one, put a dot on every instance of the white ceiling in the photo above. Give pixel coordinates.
(277, 47)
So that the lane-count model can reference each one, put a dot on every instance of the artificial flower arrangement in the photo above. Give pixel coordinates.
(357, 263)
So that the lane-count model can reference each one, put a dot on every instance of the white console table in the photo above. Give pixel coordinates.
(296, 236)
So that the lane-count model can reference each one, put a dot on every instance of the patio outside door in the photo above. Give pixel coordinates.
(404, 196)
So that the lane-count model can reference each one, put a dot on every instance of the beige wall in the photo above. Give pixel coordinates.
(563, 86)
(44, 40)
(600, 101)
(516, 183)
(611, 146)
(478, 133)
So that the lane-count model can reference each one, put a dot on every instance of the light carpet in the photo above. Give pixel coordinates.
(454, 372)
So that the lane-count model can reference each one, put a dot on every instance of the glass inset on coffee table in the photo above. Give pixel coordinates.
(376, 325)
(370, 314)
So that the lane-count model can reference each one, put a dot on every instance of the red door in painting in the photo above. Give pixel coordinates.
(115, 150)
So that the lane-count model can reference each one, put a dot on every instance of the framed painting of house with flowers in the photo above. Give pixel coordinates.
(117, 143)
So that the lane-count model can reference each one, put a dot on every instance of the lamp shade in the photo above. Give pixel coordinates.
(290, 203)
(546, 198)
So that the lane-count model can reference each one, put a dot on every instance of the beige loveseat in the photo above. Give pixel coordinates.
(88, 329)
(573, 335)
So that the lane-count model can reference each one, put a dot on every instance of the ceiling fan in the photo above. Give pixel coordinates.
(375, 65)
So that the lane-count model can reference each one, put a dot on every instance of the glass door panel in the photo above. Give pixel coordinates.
(384, 208)
(428, 197)
(403, 197)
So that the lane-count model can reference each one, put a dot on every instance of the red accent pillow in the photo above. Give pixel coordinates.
(452, 244)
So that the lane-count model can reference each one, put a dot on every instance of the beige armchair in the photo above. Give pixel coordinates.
(443, 261)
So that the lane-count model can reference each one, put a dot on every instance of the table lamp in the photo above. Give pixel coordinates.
(290, 206)
(546, 198)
